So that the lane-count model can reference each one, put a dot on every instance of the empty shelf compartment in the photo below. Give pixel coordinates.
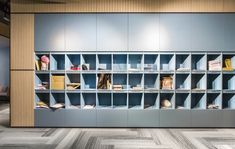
(183, 62)
(136, 81)
(151, 62)
(167, 62)
(198, 62)
(120, 62)
(135, 62)
(135, 101)
(73, 101)
(88, 100)
(198, 81)
(57, 100)
(198, 101)
(119, 82)
(88, 81)
(229, 81)
(214, 81)
(151, 100)
(104, 100)
(104, 62)
(183, 81)
(120, 100)
(228, 101)
(182, 101)
(57, 62)
(151, 82)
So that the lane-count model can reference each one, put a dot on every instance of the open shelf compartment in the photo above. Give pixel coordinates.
(119, 82)
(57, 62)
(151, 81)
(120, 101)
(151, 62)
(38, 63)
(104, 100)
(198, 82)
(167, 100)
(214, 81)
(135, 62)
(214, 62)
(135, 101)
(182, 101)
(198, 101)
(229, 62)
(183, 82)
(229, 81)
(72, 62)
(151, 100)
(198, 62)
(183, 62)
(57, 98)
(88, 100)
(104, 62)
(228, 101)
(88, 62)
(42, 97)
(135, 82)
(120, 62)
(73, 81)
(167, 62)
(42, 82)
(73, 100)
(214, 99)
(88, 82)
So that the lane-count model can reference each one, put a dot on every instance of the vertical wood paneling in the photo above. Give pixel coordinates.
(207, 6)
(81, 6)
(229, 5)
(22, 41)
(50, 7)
(143, 6)
(22, 98)
(175, 5)
(22, 6)
(112, 5)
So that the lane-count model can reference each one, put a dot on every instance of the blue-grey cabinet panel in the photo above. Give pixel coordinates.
(229, 32)
(175, 118)
(228, 118)
(207, 118)
(207, 32)
(80, 118)
(49, 32)
(143, 118)
(143, 32)
(49, 118)
(112, 32)
(80, 32)
(111, 118)
(175, 31)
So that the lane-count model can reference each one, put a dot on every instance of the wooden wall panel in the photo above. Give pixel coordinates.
(4, 30)
(207, 6)
(22, 41)
(175, 5)
(22, 98)
(49, 7)
(143, 6)
(112, 5)
(81, 6)
(229, 5)
(22, 6)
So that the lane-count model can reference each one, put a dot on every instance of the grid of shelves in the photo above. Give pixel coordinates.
(135, 80)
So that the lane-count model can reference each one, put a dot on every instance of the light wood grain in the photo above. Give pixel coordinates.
(22, 98)
(4, 30)
(81, 6)
(229, 5)
(175, 6)
(207, 6)
(143, 6)
(22, 6)
(112, 5)
(22, 41)
(45, 7)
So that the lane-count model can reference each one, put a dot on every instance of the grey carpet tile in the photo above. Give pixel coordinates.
(108, 138)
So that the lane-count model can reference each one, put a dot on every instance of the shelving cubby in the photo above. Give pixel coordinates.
(88, 101)
(104, 62)
(135, 82)
(42, 79)
(88, 62)
(151, 81)
(88, 81)
(214, 81)
(167, 62)
(72, 60)
(104, 100)
(151, 101)
(228, 101)
(73, 100)
(119, 62)
(182, 101)
(120, 101)
(198, 81)
(198, 101)
(183, 62)
(72, 78)
(151, 62)
(42, 97)
(135, 62)
(214, 99)
(183, 81)
(57, 97)
(120, 79)
(217, 65)
(169, 97)
(230, 63)
(38, 62)
(198, 62)
(135, 101)
(168, 75)
(228, 82)
(57, 62)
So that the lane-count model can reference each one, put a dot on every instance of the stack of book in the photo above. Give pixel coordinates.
(215, 65)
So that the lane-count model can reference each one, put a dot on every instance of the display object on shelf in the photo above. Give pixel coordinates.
(57, 82)
(73, 86)
(167, 83)
(104, 81)
(165, 103)
(41, 104)
(42, 63)
(215, 65)
(228, 65)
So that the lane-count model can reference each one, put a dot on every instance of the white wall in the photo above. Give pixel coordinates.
(4, 61)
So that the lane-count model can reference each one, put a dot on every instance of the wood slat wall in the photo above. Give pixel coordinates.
(22, 95)
(26, 6)
(22, 41)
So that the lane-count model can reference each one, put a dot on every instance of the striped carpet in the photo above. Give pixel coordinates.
(92, 138)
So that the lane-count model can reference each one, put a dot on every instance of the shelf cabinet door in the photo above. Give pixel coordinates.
(80, 32)
(143, 32)
(207, 118)
(80, 118)
(49, 118)
(228, 118)
(207, 32)
(143, 118)
(49, 32)
(175, 32)
(111, 118)
(175, 118)
(112, 32)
